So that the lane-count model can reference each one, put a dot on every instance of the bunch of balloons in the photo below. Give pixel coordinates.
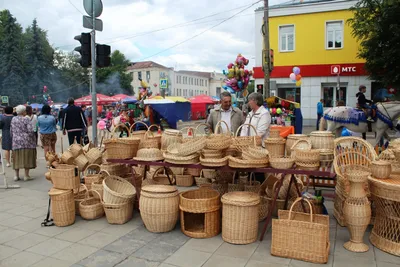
(145, 91)
(237, 78)
(295, 76)
(46, 96)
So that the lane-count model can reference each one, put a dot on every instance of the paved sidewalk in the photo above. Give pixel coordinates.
(23, 242)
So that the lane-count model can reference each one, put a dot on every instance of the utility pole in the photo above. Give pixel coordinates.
(94, 95)
(266, 52)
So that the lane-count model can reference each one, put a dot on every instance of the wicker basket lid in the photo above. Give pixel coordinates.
(56, 192)
(159, 188)
(241, 198)
(321, 133)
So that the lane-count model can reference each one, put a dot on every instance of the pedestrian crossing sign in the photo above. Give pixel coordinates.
(163, 83)
(4, 99)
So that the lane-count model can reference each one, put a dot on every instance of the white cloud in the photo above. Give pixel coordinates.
(122, 19)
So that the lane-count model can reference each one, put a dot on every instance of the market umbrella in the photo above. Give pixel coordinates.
(119, 97)
(202, 99)
(101, 100)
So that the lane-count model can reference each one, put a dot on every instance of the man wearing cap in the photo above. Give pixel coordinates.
(362, 102)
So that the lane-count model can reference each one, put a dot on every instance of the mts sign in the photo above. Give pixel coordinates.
(337, 69)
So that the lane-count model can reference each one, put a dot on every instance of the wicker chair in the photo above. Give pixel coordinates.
(349, 151)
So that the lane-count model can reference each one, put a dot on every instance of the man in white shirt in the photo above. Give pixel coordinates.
(259, 117)
(225, 112)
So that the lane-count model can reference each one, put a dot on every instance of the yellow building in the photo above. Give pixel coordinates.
(314, 36)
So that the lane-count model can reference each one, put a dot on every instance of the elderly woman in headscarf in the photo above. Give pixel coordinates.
(23, 143)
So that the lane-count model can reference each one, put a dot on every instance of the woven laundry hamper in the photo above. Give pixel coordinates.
(62, 206)
(65, 177)
(159, 207)
(240, 217)
(200, 212)
(322, 140)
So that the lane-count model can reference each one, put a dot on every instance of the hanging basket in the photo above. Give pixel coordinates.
(121, 148)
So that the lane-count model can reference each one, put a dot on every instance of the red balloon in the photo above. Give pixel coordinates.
(298, 77)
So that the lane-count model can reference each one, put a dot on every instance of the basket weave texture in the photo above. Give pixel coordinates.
(159, 207)
(121, 148)
(119, 213)
(91, 208)
(65, 177)
(62, 206)
(281, 163)
(117, 190)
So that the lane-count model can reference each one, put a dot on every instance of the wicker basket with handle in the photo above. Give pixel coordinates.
(79, 196)
(291, 140)
(65, 177)
(243, 142)
(91, 208)
(301, 236)
(201, 179)
(91, 174)
(140, 133)
(253, 185)
(219, 141)
(81, 162)
(148, 141)
(121, 148)
(76, 149)
(235, 186)
(94, 156)
(97, 185)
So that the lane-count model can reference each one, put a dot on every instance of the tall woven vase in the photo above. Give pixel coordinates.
(357, 210)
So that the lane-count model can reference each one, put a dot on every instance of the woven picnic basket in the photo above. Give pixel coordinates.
(121, 148)
(201, 179)
(119, 213)
(243, 142)
(117, 190)
(91, 208)
(219, 141)
(301, 236)
(139, 133)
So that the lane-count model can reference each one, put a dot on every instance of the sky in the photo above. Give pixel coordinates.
(153, 29)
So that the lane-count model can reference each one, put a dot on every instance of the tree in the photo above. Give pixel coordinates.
(375, 25)
(38, 59)
(114, 79)
(12, 74)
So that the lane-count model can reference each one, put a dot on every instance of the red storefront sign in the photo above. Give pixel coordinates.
(354, 69)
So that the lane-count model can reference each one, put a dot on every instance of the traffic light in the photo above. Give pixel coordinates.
(271, 60)
(85, 49)
(103, 55)
(260, 88)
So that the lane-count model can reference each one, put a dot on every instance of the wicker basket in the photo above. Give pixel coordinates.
(91, 208)
(65, 177)
(281, 163)
(209, 173)
(184, 160)
(149, 141)
(76, 149)
(253, 185)
(79, 196)
(184, 180)
(201, 179)
(240, 217)
(81, 162)
(301, 144)
(292, 139)
(114, 168)
(62, 206)
(140, 133)
(307, 166)
(193, 171)
(162, 179)
(212, 154)
(274, 133)
(67, 158)
(188, 148)
(156, 136)
(219, 141)
(159, 207)
(210, 162)
(263, 211)
(117, 190)
(97, 185)
(87, 147)
(200, 213)
(243, 142)
(121, 148)
(275, 146)
(307, 156)
(47, 175)
(177, 170)
(381, 169)
(246, 163)
(235, 186)
(255, 153)
(169, 137)
(94, 156)
(119, 213)
(322, 140)
(220, 186)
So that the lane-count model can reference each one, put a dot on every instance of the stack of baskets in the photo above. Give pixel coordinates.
(77, 156)
(214, 153)
(185, 153)
(252, 156)
(275, 144)
(118, 199)
(307, 159)
(122, 148)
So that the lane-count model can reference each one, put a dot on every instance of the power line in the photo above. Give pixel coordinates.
(196, 35)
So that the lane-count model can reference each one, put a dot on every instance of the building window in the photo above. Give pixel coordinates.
(148, 76)
(286, 38)
(334, 35)
(139, 75)
(218, 91)
(291, 94)
(206, 82)
(331, 99)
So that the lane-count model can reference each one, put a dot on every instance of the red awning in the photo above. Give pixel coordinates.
(101, 100)
(119, 97)
(202, 99)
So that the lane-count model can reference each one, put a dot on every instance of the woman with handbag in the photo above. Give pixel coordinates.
(47, 128)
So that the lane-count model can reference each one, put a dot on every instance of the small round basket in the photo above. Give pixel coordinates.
(201, 179)
(381, 169)
(91, 208)
(247, 163)
(281, 163)
(117, 190)
(307, 156)
(119, 213)
(185, 180)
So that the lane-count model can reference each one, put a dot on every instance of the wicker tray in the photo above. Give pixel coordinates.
(211, 162)
(245, 164)
(188, 148)
(186, 160)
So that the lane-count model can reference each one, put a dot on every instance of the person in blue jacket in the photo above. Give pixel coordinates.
(320, 111)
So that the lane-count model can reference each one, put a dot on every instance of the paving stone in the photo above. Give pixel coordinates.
(352, 262)
(52, 231)
(49, 247)
(30, 226)
(174, 237)
(8, 206)
(36, 213)
(297, 263)
(102, 258)
(15, 220)
(98, 240)
(2, 228)
(75, 234)
(141, 233)
(21, 259)
(132, 261)
(119, 230)
(386, 264)
(225, 261)
(155, 251)
(166, 265)
(50, 262)
(238, 251)
(94, 225)
(6, 216)
(206, 244)
(6, 252)
(382, 256)
(253, 263)
(263, 254)
(21, 210)
(186, 257)
(10, 234)
(125, 245)
(75, 253)
(26, 241)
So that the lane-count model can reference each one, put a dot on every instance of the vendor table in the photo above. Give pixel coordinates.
(385, 234)
(284, 130)
(292, 172)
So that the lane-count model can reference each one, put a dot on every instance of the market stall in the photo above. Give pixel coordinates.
(285, 113)
(199, 106)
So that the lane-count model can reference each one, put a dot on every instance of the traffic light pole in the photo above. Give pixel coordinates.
(266, 52)
(94, 95)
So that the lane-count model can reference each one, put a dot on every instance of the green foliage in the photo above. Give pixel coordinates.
(115, 78)
(375, 25)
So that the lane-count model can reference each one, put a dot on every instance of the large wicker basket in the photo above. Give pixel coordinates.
(62, 206)
(119, 213)
(121, 148)
(159, 207)
(117, 190)
(200, 213)
(322, 140)
(291, 139)
(65, 177)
